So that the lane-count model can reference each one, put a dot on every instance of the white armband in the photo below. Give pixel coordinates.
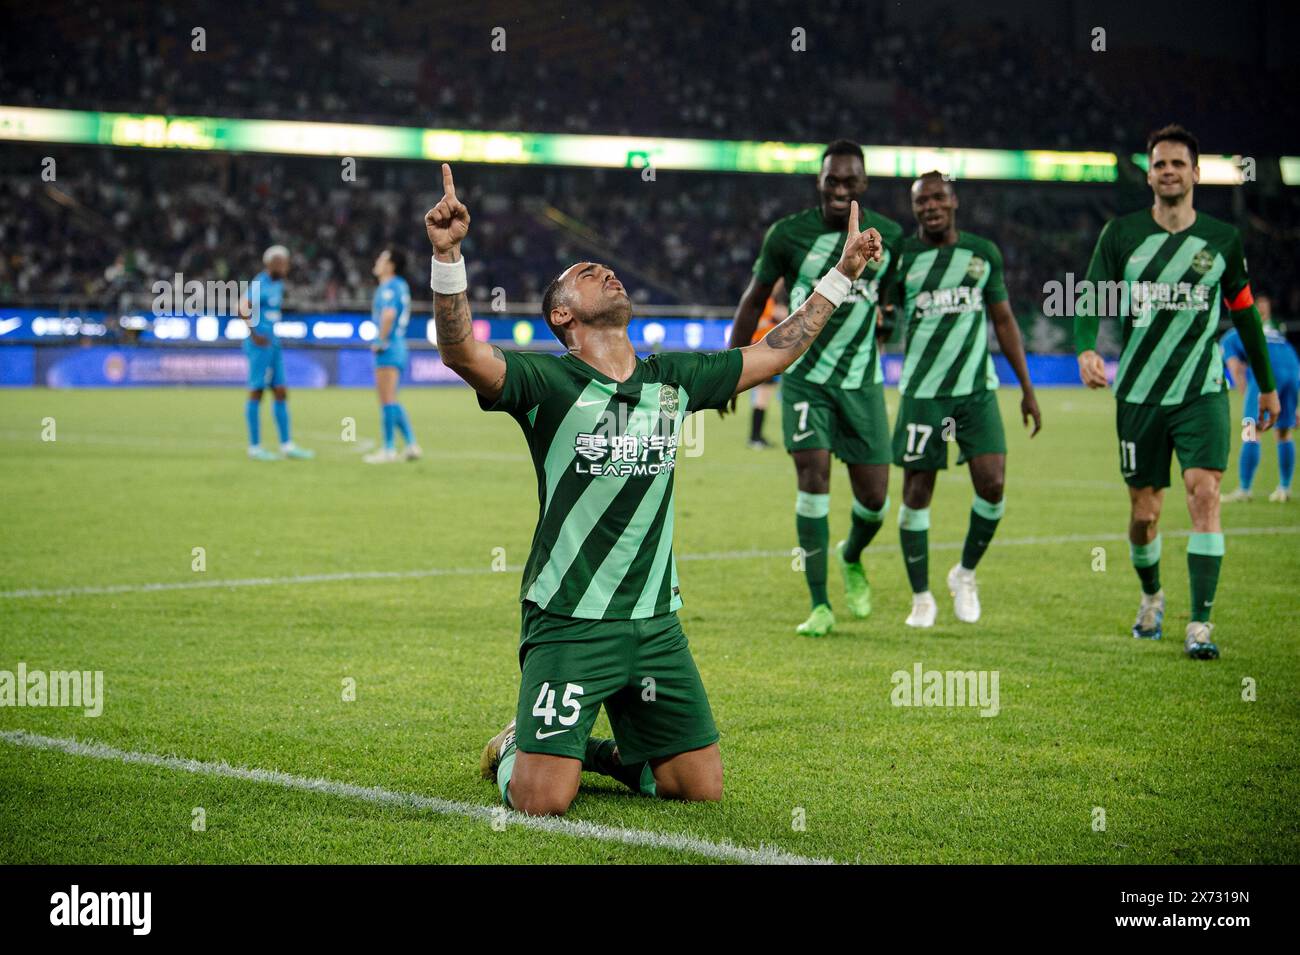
(834, 286)
(448, 278)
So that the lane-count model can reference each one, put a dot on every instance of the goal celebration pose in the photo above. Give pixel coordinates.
(600, 590)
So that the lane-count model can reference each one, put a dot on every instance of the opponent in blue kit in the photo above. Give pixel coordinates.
(390, 312)
(261, 310)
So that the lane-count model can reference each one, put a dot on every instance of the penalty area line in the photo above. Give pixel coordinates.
(345, 575)
(720, 851)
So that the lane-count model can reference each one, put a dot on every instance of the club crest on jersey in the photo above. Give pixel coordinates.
(1202, 261)
(668, 400)
(976, 267)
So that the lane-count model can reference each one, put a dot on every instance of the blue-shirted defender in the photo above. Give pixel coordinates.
(390, 311)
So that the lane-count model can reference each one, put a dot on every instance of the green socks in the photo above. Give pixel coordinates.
(914, 537)
(1146, 561)
(504, 768)
(984, 517)
(811, 522)
(1204, 556)
(865, 524)
(602, 757)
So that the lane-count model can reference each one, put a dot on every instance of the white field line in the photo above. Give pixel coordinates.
(109, 589)
(721, 851)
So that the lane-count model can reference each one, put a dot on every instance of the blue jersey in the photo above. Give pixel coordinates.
(266, 296)
(394, 294)
(1286, 365)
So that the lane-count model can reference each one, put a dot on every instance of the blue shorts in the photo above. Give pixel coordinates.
(1286, 395)
(394, 356)
(265, 366)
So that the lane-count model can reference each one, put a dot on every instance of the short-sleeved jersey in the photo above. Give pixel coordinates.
(944, 293)
(266, 298)
(1281, 355)
(605, 453)
(394, 294)
(1168, 290)
(800, 249)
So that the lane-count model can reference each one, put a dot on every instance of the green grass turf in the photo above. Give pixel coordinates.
(1185, 770)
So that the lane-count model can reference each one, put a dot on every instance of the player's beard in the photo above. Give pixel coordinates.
(613, 314)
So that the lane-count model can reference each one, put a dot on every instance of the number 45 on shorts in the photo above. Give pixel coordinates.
(545, 705)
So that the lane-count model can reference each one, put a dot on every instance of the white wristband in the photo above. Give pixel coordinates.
(834, 286)
(448, 278)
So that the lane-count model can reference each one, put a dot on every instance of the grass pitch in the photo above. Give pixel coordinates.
(251, 673)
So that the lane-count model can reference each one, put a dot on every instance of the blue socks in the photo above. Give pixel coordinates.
(394, 420)
(282, 420)
(253, 415)
(404, 425)
(389, 419)
(1285, 462)
(1249, 462)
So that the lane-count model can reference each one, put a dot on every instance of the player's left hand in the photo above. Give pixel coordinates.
(1269, 409)
(1029, 409)
(447, 223)
(859, 247)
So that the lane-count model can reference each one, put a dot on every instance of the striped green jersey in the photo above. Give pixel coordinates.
(1167, 289)
(605, 453)
(944, 293)
(800, 249)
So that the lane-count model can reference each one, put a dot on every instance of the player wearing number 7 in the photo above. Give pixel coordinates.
(948, 284)
(600, 590)
(1166, 272)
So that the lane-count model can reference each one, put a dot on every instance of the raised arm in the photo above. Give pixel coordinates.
(790, 339)
(481, 365)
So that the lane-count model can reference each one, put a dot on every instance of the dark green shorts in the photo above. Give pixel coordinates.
(1200, 431)
(851, 423)
(926, 426)
(641, 670)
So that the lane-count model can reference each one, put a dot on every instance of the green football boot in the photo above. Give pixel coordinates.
(857, 590)
(819, 623)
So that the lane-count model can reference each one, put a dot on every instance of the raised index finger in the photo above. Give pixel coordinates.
(448, 186)
(853, 219)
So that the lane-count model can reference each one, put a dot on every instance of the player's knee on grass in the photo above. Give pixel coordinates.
(870, 484)
(281, 393)
(692, 777)
(988, 475)
(255, 394)
(543, 785)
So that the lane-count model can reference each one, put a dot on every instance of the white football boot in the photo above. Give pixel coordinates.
(382, 456)
(965, 595)
(924, 610)
(1281, 495)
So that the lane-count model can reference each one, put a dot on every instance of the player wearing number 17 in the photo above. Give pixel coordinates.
(949, 284)
(1165, 272)
(600, 590)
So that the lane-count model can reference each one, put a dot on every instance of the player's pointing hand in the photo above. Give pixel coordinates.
(447, 223)
(859, 247)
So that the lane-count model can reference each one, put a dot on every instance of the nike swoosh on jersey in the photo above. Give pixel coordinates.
(801, 435)
(588, 404)
(541, 735)
(913, 457)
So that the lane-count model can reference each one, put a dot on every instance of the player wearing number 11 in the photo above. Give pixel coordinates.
(1174, 268)
(600, 590)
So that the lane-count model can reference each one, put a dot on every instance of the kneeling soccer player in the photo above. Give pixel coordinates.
(949, 283)
(600, 590)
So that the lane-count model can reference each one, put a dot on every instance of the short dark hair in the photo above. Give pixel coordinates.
(941, 176)
(844, 147)
(1176, 134)
(548, 303)
(397, 257)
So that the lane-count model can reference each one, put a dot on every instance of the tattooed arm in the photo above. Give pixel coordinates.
(790, 339)
(481, 365)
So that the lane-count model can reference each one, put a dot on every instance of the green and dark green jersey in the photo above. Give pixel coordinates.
(944, 293)
(1167, 290)
(800, 249)
(605, 454)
